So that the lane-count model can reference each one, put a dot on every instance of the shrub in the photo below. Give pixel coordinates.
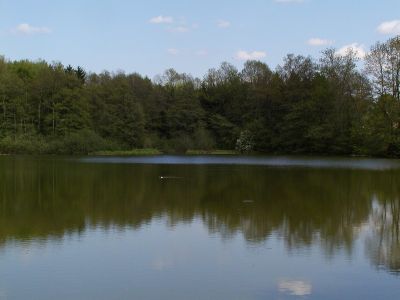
(23, 144)
(244, 143)
(80, 142)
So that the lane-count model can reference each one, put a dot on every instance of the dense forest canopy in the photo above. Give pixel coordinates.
(324, 106)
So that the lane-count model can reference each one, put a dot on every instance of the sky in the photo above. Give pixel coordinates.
(151, 36)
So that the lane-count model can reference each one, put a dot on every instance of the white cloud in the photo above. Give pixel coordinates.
(162, 20)
(358, 49)
(180, 29)
(173, 51)
(317, 42)
(295, 288)
(201, 52)
(245, 55)
(223, 24)
(27, 29)
(389, 27)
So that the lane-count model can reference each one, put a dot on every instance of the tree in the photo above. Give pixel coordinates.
(305, 105)
(244, 143)
(383, 65)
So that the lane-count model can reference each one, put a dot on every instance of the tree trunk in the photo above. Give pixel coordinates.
(4, 108)
(39, 113)
(54, 125)
(15, 123)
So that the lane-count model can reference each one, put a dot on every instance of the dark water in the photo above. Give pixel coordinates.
(199, 228)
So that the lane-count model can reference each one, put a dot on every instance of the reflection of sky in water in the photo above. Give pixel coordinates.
(3, 294)
(160, 263)
(183, 262)
(295, 287)
(101, 231)
(271, 161)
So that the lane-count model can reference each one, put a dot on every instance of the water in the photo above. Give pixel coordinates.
(170, 227)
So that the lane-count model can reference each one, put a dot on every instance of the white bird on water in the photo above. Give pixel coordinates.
(170, 177)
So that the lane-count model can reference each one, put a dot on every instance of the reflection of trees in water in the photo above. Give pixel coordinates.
(48, 198)
(302, 206)
(383, 243)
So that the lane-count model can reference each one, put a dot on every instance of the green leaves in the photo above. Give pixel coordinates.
(304, 106)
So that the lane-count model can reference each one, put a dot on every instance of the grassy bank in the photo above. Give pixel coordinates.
(87, 142)
(133, 152)
(144, 152)
(211, 152)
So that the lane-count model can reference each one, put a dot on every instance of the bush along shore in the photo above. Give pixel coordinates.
(334, 104)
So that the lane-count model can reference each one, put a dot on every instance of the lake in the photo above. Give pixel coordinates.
(201, 227)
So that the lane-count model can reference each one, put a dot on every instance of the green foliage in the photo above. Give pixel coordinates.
(304, 106)
(80, 142)
(244, 143)
(23, 144)
(203, 139)
(177, 145)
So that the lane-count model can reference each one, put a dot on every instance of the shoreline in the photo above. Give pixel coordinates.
(149, 152)
(218, 152)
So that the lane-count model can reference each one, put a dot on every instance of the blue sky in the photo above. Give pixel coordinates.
(190, 36)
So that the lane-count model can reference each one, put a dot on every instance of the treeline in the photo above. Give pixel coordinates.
(324, 106)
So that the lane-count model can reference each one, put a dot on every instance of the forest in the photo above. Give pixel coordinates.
(331, 105)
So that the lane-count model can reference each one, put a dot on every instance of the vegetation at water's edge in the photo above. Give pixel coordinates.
(133, 152)
(211, 152)
(325, 106)
(144, 152)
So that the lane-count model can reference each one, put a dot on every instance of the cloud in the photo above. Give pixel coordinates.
(223, 24)
(317, 42)
(173, 51)
(295, 288)
(162, 20)
(27, 29)
(389, 27)
(201, 52)
(179, 29)
(176, 26)
(245, 55)
(358, 49)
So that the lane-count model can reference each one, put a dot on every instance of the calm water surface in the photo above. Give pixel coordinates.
(170, 227)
